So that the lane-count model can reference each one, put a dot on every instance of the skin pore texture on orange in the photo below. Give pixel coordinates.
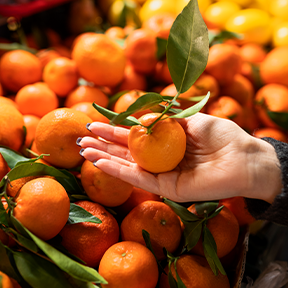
(162, 149)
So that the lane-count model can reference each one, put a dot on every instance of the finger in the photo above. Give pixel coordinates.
(94, 155)
(110, 148)
(132, 174)
(110, 133)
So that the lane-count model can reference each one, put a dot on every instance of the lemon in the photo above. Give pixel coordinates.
(279, 8)
(154, 7)
(218, 13)
(203, 5)
(260, 4)
(280, 35)
(242, 3)
(253, 24)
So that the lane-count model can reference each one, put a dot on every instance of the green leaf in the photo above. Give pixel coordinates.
(39, 272)
(222, 36)
(115, 97)
(32, 169)
(187, 47)
(142, 103)
(203, 208)
(27, 243)
(12, 157)
(3, 215)
(16, 46)
(210, 246)
(171, 279)
(280, 118)
(66, 264)
(78, 214)
(181, 211)
(193, 109)
(217, 211)
(146, 237)
(161, 48)
(69, 182)
(5, 264)
(180, 283)
(192, 233)
(130, 121)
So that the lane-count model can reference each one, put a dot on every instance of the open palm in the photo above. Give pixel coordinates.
(217, 162)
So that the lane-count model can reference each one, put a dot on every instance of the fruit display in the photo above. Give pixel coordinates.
(141, 65)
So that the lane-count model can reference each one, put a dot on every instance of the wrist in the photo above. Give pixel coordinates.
(265, 172)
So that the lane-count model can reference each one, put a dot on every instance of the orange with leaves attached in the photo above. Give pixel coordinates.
(89, 241)
(195, 272)
(130, 263)
(162, 149)
(159, 220)
(225, 229)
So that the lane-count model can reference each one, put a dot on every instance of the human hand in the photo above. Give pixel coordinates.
(221, 161)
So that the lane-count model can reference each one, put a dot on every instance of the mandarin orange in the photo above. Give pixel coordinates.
(162, 149)
(89, 241)
(130, 263)
(42, 207)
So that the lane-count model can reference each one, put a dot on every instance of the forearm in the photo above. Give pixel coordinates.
(271, 183)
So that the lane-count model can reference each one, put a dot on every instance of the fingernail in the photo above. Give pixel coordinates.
(95, 163)
(78, 141)
(87, 126)
(81, 151)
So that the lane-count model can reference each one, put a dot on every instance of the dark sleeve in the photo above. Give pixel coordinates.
(276, 212)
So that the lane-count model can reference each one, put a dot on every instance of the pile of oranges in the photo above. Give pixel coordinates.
(50, 93)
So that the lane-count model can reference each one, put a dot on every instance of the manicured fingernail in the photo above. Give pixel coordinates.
(87, 126)
(95, 163)
(78, 141)
(81, 151)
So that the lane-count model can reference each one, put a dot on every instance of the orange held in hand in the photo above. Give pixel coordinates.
(42, 207)
(162, 149)
(129, 264)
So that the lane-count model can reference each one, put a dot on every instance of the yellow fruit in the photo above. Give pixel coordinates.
(279, 8)
(253, 24)
(154, 7)
(243, 3)
(218, 13)
(280, 35)
(260, 4)
(203, 5)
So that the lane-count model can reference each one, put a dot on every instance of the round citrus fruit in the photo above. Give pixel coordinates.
(42, 207)
(162, 149)
(36, 99)
(11, 128)
(87, 240)
(19, 68)
(103, 188)
(99, 60)
(85, 93)
(159, 220)
(61, 75)
(31, 123)
(225, 229)
(4, 168)
(195, 272)
(56, 135)
(130, 263)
